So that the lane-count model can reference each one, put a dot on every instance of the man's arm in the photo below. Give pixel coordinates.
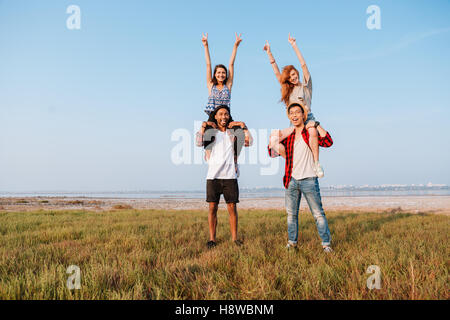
(199, 137)
(200, 133)
(325, 139)
(239, 125)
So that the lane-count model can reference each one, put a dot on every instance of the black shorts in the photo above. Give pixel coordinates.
(228, 187)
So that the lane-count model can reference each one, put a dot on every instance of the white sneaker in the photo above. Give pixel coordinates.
(327, 249)
(291, 246)
(319, 170)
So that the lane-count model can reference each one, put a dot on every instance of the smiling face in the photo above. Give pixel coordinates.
(296, 116)
(293, 77)
(222, 117)
(220, 75)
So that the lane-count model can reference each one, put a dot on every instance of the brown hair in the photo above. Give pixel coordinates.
(214, 80)
(286, 85)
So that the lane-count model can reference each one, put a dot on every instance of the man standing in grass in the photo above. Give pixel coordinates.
(225, 143)
(300, 176)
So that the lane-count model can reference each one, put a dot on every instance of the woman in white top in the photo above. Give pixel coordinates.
(295, 91)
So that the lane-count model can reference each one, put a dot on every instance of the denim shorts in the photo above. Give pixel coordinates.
(310, 118)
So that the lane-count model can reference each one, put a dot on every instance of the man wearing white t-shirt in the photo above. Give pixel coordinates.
(222, 167)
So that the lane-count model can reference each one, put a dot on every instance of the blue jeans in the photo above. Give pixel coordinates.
(309, 187)
(310, 118)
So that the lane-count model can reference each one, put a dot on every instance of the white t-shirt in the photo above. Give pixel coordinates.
(221, 162)
(302, 94)
(303, 161)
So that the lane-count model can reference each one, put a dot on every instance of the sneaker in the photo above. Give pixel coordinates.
(327, 249)
(238, 243)
(291, 246)
(211, 244)
(319, 170)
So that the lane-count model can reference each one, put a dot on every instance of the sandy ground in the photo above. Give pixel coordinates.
(414, 204)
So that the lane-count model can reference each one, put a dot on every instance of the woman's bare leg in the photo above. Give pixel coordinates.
(284, 133)
(314, 145)
(277, 136)
(313, 142)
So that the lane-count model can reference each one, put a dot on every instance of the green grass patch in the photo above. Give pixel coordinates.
(156, 254)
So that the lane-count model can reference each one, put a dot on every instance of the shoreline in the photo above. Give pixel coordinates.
(439, 204)
(200, 199)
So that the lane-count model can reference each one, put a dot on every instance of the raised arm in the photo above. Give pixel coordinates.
(306, 74)
(272, 61)
(239, 125)
(232, 59)
(322, 131)
(201, 132)
(325, 139)
(209, 82)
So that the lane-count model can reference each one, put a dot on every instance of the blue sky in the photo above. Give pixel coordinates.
(94, 109)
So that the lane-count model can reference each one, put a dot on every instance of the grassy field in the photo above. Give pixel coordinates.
(149, 254)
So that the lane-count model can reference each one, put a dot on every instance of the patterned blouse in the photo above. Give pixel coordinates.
(217, 98)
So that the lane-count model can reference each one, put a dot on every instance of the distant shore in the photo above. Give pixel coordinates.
(414, 204)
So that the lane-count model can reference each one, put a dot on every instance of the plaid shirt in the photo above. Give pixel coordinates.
(288, 144)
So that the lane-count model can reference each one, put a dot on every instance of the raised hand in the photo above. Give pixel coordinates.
(238, 39)
(232, 124)
(291, 40)
(205, 39)
(267, 47)
(236, 123)
(209, 123)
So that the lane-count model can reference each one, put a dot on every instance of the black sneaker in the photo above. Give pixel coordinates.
(210, 244)
(238, 243)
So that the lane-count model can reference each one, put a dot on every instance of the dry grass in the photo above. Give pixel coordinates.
(122, 206)
(154, 254)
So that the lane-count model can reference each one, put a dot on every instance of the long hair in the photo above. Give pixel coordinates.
(214, 80)
(286, 85)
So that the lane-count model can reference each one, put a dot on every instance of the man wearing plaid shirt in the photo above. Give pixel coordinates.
(300, 176)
